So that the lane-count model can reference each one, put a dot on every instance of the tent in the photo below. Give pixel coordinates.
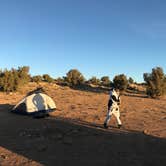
(38, 104)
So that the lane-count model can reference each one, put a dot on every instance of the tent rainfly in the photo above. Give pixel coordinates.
(34, 104)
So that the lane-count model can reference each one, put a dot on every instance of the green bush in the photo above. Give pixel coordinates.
(94, 80)
(105, 81)
(74, 77)
(23, 75)
(131, 81)
(47, 78)
(156, 82)
(37, 78)
(11, 80)
(61, 81)
(120, 82)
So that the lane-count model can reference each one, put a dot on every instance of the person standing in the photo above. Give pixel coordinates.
(113, 107)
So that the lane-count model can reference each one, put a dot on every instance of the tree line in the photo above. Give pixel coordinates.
(12, 80)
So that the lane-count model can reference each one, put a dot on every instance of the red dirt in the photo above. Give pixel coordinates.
(74, 135)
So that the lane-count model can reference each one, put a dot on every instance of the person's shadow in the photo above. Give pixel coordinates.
(41, 106)
(39, 102)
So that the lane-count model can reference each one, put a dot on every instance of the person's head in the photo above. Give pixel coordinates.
(117, 91)
(113, 87)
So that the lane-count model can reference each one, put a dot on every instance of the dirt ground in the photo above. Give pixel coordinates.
(74, 134)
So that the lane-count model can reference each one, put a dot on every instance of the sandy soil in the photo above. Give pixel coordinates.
(74, 135)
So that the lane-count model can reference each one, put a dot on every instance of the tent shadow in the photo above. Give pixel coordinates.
(55, 141)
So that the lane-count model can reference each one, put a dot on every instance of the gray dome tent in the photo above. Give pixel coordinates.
(34, 104)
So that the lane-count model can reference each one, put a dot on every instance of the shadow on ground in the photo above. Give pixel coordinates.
(63, 142)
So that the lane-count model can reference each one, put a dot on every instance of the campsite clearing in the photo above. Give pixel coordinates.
(74, 134)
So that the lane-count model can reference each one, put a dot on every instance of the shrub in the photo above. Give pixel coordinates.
(120, 82)
(36, 78)
(74, 77)
(61, 81)
(23, 75)
(105, 81)
(94, 80)
(11, 80)
(156, 82)
(131, 81)
(47, 78)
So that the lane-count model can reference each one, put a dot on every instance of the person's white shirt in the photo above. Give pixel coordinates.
(114, 96)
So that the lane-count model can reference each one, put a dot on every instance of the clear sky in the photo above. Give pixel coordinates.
(97, 37)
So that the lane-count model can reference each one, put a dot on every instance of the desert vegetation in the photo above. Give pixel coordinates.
(155, 82)
(11, 80)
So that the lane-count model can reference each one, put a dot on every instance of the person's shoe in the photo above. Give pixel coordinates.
(105, 126)
(119, 126)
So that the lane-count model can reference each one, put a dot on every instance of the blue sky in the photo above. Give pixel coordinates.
(97, 37)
